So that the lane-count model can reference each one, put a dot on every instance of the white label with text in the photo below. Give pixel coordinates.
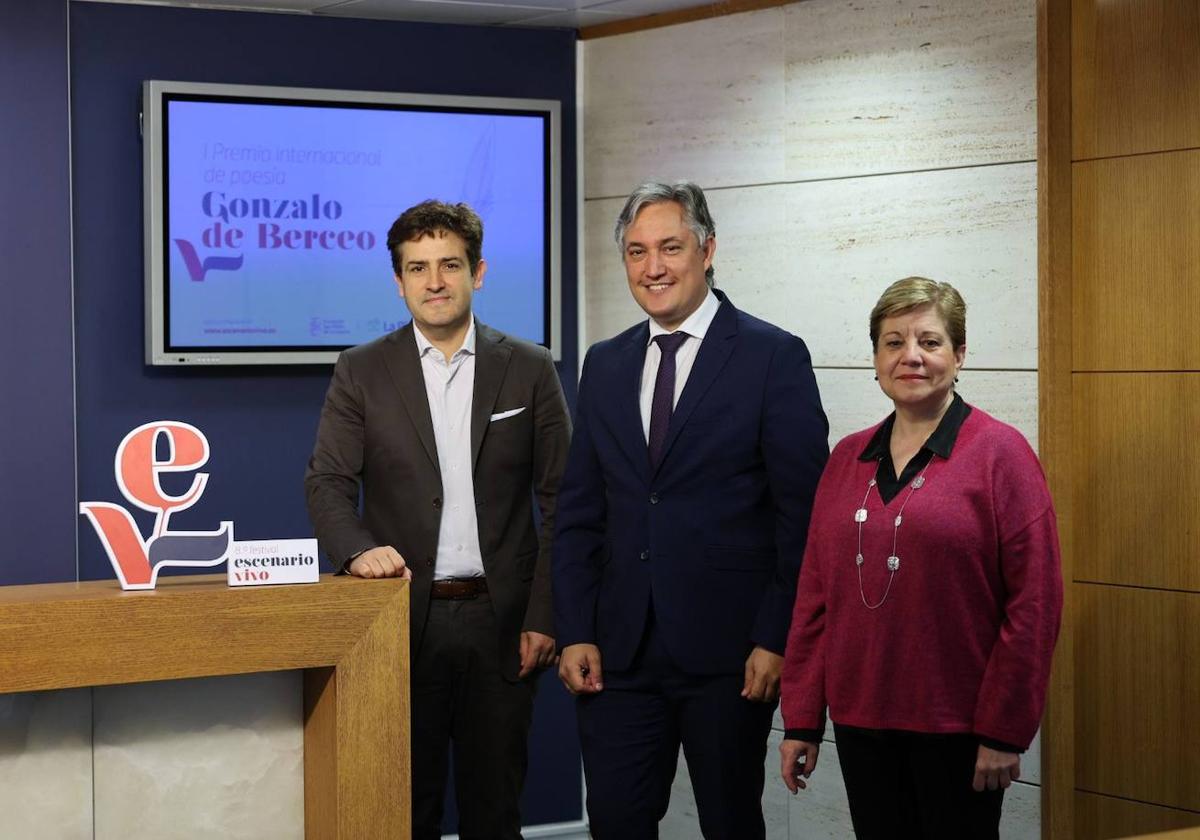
(263, 562)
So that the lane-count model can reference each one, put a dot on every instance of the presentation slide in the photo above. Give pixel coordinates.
(277, 218)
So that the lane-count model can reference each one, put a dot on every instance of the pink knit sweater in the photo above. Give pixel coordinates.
(964, 639)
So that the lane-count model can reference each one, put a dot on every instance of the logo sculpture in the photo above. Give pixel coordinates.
(137, 561)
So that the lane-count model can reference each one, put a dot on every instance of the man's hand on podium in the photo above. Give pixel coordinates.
(380, 562)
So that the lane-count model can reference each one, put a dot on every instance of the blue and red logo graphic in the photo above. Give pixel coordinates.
(135, 559)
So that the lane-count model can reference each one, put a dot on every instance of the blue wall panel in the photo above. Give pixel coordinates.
(260, 422)
(37, 437)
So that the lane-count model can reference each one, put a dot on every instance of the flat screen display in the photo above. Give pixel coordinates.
(268, 210)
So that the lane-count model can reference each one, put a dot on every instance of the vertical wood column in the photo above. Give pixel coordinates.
(1054, 389)
(1119, 274)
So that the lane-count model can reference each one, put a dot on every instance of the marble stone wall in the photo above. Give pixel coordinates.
(218, 758)
(46, 764)
(842, 145)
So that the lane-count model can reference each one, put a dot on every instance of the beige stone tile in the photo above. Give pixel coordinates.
(853, 401)
(204, 758)
(609, 306)
(1031, 761)
(682, 821)
(974, 228)
(908, 85)
(1021, 818)
(814, 258)
(820, 89)
(702, 101)
(776, 811)
(46, 765)
(820, 812)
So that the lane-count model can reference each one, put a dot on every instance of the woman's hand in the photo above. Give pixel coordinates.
(994, 770)
(799, 759)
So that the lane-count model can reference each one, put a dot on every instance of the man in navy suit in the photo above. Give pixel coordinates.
(682, 516)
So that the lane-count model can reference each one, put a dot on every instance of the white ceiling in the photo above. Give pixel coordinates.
(571, 14)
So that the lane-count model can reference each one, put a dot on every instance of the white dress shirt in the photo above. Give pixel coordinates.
(450, 387)
(696, 326)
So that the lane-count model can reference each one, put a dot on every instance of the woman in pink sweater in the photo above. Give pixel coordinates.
(930, 594)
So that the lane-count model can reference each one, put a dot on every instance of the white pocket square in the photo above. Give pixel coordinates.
(504, 415)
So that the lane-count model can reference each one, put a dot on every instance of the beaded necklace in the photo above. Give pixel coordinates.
(893, 560)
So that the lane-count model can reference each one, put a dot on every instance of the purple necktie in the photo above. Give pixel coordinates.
(663, 400)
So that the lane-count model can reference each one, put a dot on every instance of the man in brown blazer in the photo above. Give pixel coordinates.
(450, 429)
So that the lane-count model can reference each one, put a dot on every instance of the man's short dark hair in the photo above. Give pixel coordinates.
(428, 217)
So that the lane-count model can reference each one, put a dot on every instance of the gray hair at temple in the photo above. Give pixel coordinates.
(687, 195)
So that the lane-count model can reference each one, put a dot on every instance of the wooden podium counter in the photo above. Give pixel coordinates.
(350, 637)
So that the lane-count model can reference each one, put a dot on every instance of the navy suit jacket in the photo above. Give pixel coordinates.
(715, 535)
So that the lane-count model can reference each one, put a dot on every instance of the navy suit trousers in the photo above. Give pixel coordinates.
(631, 733)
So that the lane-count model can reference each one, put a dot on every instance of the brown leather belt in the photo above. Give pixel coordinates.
(459, 589)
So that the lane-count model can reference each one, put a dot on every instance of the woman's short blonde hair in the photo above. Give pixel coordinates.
(912, 292)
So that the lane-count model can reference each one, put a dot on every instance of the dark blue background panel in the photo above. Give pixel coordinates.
(37, 434)
(260, 422)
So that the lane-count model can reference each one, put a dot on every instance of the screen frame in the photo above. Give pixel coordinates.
(155, 95)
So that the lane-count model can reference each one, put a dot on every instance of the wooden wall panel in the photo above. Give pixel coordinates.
(1136, 262)
(1104, 817)
(907, 85)
(1135, 76)
(1177, 834)
(1137, 692)
(1055, 434)
(1120, 283)
(1137, 479)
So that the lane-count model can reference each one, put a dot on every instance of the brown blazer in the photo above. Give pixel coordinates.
(376, 432)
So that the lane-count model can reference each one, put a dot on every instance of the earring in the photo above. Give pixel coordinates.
(877, 378)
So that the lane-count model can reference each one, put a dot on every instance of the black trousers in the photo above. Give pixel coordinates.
(630, 735)
(911, 784)
(459, 698)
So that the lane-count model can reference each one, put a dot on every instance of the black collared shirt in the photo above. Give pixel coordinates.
(941, 442)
